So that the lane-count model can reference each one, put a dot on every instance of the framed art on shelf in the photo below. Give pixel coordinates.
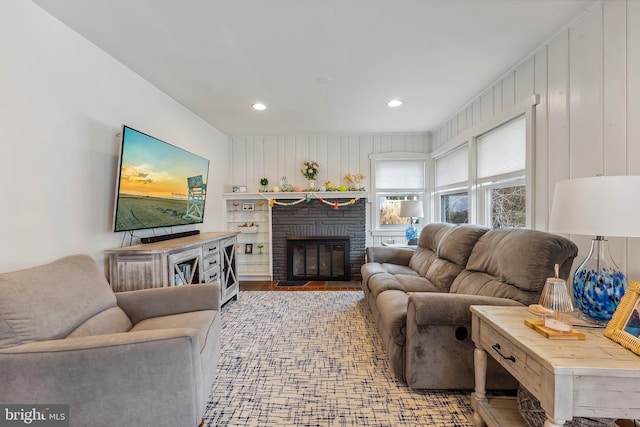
(248, 248)
(624, 326)
(248, 207)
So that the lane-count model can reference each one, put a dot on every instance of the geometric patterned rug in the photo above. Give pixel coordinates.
(315, 359)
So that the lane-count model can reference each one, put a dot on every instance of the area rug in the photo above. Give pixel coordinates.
(315, 359)
(304, 285)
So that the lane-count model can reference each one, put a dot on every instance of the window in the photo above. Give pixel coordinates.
(452, 185)
(455, 208)
(484, 175)
(501, 174)
(397, 177)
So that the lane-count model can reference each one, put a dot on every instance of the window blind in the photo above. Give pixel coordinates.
(400, 174)
(502, 150)
(453, 167)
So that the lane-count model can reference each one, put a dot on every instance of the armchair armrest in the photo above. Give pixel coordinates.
(120, 373)
(448, 309)
(148, 303)
(382, 254)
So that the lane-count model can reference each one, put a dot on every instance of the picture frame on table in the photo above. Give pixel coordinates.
(248, 207)
(624, 326)
(248, 248)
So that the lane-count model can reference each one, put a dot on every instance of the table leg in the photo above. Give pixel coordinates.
(480, 374)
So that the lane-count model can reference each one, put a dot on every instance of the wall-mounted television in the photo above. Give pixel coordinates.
(158, 184)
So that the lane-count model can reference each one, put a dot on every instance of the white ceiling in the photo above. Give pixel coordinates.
(218, 57)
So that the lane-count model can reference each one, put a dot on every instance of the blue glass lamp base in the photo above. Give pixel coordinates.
(597, 294)
(598, 284)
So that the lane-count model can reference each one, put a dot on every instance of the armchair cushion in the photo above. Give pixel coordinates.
(30, 311)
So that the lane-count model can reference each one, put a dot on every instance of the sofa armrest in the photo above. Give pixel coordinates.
(156, 302)
(122, 372)
(448, 309)
(382, 254)
(439, 350)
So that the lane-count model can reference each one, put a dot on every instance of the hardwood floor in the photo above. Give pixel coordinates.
(256, 286)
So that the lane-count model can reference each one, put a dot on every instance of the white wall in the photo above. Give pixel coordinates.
(273, 157)
(62, 102)
(588, 119)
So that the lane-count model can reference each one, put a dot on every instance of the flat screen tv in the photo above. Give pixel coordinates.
(159, 184)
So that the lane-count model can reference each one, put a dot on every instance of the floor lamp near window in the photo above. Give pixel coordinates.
(411, 209)
(597, 206)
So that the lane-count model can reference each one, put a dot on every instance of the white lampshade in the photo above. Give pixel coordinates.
(411, 209)
(597, 206)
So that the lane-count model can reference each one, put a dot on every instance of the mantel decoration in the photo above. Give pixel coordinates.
(355, 182)
(263, 184)
(312, 195)
(310, 171)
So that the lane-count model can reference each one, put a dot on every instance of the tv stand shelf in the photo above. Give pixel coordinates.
(202, 258)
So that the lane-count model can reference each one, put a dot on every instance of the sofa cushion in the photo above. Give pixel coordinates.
(514, 263)
(110, 321)
(202, 321)
(34, 306)
(456, 245)
(399, 282)
(453, 252)
(427, 249)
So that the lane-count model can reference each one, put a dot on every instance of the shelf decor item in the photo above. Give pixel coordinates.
(248, 228)
(411, 209)
(263, 184)
(355, 182)
(310, 172)
(597, 206)
(624, 327)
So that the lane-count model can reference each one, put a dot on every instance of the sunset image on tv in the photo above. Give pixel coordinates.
(159, 185)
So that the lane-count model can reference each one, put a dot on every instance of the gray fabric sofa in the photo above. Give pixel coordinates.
(133, 358)
(420, 298)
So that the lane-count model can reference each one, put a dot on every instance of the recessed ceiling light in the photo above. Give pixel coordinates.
(324, 80)
(259, 106)
(394, 103)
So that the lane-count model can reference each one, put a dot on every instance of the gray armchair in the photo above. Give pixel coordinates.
(134, 358)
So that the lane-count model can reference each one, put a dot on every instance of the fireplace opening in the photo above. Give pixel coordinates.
(318, 258)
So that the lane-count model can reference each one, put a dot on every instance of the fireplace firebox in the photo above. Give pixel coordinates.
(318, 258)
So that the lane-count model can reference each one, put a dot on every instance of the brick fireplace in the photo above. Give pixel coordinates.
(318, 219)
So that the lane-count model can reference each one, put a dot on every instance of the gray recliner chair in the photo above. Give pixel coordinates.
(133, 358)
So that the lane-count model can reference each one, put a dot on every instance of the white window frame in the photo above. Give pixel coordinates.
(396, 229)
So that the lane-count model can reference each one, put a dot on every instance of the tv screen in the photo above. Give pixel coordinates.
(159, 184)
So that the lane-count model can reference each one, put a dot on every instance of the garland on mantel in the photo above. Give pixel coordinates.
(307, 198)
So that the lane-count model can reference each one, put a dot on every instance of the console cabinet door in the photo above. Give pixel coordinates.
(185, 267)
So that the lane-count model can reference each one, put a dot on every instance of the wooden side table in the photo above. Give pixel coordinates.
(592, 378)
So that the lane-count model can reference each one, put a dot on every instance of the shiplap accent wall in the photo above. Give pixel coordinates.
(273, 157)
(588, 119)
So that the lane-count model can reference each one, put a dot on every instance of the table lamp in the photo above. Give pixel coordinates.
(597, 206)
(411, 209)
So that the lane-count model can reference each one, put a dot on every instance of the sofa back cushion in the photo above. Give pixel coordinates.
(514, 263)
(427, 249)
(453, 252)
(53, 300)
